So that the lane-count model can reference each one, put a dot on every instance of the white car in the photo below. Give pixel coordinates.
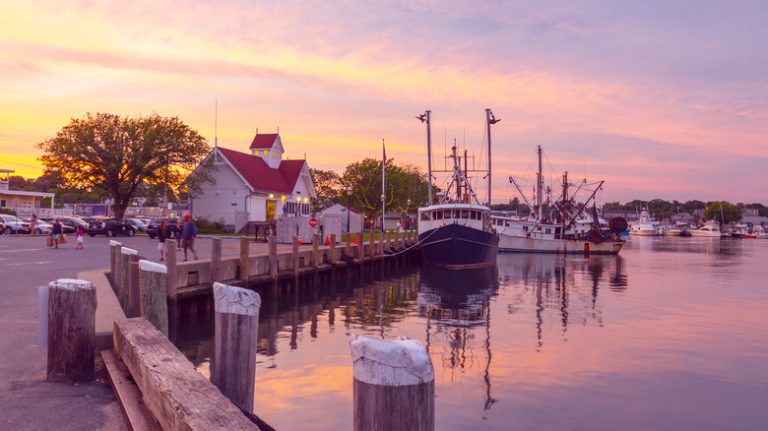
(41, 226)
(13, 224)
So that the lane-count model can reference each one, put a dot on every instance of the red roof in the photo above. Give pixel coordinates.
(260, 176)
(263, 140)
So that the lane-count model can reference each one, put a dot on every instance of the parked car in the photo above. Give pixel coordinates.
(155, 223)
(137, 224)
(110, 228)
(64, 227)
(41, 226)
(12, 224)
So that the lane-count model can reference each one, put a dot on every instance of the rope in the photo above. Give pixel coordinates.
(414, 245)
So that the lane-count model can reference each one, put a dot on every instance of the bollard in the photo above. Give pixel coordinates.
(332, 250)
(273, 269)
(244, 249)
(114, 246)
(154, 297)
(172, 275)
(315, 251)
(233, 368)
(134, 294)
(125, 269)
(216, 260)
(394, 385)
(71, 330)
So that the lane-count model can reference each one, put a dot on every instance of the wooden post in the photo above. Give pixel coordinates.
(381, 243)
(134, 294)
(348, 247)
(295, 257)
(315, 251)
(114, 247)
(154, 297)
(117, 276)
(216, 260)
(389, 241)
(359, 248)
(392, 376)
(273, 269)
(171, 275)
(244, 270)
(233, 369)
(332, 249)
(372, 245)
(71, 330)
(125, 269)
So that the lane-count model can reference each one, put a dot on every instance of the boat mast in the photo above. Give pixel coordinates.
(540, 188)
(489, 119)
(456, 171)
(466, 187)
(565, 203)
(425, 117)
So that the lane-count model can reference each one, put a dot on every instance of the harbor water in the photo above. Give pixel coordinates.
(669, 335)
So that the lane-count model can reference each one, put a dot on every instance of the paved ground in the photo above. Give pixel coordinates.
(27, 402)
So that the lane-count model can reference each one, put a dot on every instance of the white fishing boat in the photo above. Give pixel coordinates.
(711, 230)
(564, 228)
(759, 232)
(643, 226)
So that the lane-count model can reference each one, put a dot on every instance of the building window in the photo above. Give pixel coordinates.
(266, 152)
(3, 203)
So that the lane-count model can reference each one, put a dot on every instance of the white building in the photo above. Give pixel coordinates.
(255, 187)
(340, 211)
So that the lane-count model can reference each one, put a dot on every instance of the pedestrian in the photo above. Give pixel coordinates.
(188, 235)
(32, 223)
(163, 232)
(177, 232)
(79, 237)
(56, 233)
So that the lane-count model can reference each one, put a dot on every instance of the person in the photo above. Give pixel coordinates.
(79, 237)
(163, 232)
(177, 232)
(188, 235)
(56, 233)
(32, 224)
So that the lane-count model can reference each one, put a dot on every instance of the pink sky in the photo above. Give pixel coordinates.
(659, 100)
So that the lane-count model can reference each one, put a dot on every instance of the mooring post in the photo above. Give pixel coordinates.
(216, 260)
(233, 369)
(172, 274)
(114, 249)
(315, 251)
(117, 276)
(244, 270)
(348, 247)
(392, 376)
(134, 295)
(371, 245)
(71, 330)
(154, 297)
(273, 256)
(332, 249)
(381, 243)
(389, 241)
(125, 269)
(295, 257)
(359, 247)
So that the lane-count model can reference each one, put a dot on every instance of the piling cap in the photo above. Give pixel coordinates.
(115, 243)
(235, 300)
(149, 266)
(70, 284)
(128, 251)
(398, 362)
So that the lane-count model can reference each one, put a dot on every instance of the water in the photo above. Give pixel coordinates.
(670, 335)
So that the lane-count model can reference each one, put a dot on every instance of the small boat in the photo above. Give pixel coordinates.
(758, 232)
(643, 226)
(674, 232)
(711, 230)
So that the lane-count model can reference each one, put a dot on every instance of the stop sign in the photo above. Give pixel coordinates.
(313, 222)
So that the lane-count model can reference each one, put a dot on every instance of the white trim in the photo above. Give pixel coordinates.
(23, 193)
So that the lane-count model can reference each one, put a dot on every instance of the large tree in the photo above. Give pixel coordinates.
(115, 155)
(328, 187)
(724, 212)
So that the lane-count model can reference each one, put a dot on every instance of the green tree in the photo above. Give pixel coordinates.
(115, 155)
(328, 187)
(724, 212)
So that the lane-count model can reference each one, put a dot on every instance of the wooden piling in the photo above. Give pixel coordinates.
(244, 270)
(125, 269)
(371, 245)
(71, 330)
(392, 376)
(315, 251)
(332, 249)
(273, 269)
(114, 249)
(381, 243)
(154, 297)
(295, 257)
(233, 369)
(359, 248)
(117, 275)
(216, 260)
(172, 275)
(134, 294)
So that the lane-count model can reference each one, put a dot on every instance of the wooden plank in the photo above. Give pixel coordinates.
(137, 416)
(178, 396)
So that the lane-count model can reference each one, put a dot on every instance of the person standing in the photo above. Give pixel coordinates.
(163, 232)
(79, 237)
(177, 232)
(32, 224)
(188, 235)
(56, 233)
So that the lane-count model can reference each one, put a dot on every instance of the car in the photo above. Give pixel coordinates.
(155, 223)
(137, 224)
(110, 228)
(12, 224)
(41, 226)
(65, 228)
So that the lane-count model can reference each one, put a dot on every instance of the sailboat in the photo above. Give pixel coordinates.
(456, 231)
(568, 228)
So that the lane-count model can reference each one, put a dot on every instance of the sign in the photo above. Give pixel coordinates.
(313, 222)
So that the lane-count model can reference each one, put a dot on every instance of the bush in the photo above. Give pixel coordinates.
(210, 227)
(8, 211)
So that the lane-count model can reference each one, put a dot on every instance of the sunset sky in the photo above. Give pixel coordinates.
(660, 98)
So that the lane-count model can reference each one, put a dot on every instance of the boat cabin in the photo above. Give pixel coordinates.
(471, 215)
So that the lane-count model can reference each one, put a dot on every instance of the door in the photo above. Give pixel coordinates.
(270, 210)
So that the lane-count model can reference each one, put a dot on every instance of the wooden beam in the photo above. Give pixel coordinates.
(135, 413)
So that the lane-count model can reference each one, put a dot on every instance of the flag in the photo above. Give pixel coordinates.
(384, 153)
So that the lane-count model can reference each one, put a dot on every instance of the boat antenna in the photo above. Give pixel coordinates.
(489, 120)
(425, 117)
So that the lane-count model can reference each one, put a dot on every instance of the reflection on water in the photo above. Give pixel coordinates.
(669, 335)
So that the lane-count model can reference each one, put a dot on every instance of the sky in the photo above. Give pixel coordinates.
(661, 99)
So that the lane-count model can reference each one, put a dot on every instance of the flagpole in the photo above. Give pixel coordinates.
(383, 183)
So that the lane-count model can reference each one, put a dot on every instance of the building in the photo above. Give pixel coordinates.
(254, 187)
(340, 211)
(24, 203)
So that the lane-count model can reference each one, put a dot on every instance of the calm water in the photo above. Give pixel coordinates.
(671, 335)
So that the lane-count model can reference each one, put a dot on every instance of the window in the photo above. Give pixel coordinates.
(438, 215)
(548, 230)
(525, 228)
(266, 152)
(425, 216)
(474, 215)
(464, 213)
(447, 214)
(3, 203)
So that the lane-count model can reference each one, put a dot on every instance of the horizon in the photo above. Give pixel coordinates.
(660, 100)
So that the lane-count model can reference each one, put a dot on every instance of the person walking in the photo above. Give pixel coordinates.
(177, 232)
(79, 237)
(188, 235)
(32, 224)
(56, 233)
(163, 232)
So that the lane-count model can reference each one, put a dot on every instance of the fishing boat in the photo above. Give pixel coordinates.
(759, 232)
(456, 232)
(564, 228)
(711, 229)
(643, 226)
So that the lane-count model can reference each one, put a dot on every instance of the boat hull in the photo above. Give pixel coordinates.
(456, 247)
(700, 234)
(516, 244)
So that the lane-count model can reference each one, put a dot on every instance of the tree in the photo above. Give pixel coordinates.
(327, 186)
(724, 212)
(115, 155)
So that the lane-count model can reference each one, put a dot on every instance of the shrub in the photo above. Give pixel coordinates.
(210, 227)
(8, 211)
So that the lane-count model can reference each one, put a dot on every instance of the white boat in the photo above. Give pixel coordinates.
(759, 232)
(643, 226)
(711, 229)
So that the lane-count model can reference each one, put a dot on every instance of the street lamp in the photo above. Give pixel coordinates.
(349, 197)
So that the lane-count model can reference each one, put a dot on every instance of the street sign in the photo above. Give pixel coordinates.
(313, 222)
